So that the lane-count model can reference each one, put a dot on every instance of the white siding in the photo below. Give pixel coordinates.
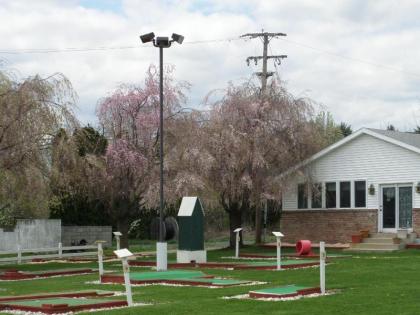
(363, 158)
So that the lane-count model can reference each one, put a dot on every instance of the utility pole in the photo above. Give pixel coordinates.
(266, 37)
(264, 75)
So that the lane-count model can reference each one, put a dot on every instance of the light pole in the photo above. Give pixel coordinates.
(161, 42)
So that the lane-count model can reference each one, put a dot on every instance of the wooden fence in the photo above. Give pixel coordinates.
(59, 252)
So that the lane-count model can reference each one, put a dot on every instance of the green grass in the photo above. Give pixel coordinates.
(387, 283)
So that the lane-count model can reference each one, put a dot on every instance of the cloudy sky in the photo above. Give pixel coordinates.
(357, 58)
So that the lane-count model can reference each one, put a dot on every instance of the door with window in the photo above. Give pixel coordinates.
(396, 207)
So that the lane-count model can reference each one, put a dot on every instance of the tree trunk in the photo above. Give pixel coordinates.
(235, 221)
(258, 225)
(123, 226)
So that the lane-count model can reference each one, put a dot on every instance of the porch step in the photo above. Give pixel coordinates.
(383, 235)
(378, 240)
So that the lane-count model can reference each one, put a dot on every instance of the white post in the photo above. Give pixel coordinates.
(322, 257)
(19, 254)
(60, 250)
(237, 231)
(278, 236)
(100, 260)
(126, 269)
(161, 256)
(117, 235)
(118, 242)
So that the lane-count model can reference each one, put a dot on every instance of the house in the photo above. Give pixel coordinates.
(368, 180)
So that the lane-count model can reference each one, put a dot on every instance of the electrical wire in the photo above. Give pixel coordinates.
(75, 49)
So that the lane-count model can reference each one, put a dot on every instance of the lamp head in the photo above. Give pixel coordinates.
(237, 230)
(177, 38)
(117, 233)
(147, 37)
(162, 42)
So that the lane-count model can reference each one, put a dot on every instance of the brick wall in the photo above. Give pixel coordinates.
(331, 226)
(416, 220)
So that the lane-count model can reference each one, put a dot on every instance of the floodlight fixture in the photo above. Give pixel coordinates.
(278, 234)
(147, 37)
(162, 42)
(123, 253)
(237, 230)
(117, 233)
(177, 38)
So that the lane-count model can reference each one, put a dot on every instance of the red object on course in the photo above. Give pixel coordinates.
(303, 247)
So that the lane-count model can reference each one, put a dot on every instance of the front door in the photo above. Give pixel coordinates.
(396, 207)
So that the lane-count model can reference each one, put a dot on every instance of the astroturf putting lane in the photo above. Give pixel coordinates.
(283, 262)
(166, 275)
(283, 292)
(181, 277)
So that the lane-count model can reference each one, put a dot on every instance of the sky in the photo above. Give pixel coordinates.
(354, 58)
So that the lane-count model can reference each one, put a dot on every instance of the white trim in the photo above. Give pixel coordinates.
(344, 141)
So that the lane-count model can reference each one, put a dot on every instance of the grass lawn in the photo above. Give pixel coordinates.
(387, 283)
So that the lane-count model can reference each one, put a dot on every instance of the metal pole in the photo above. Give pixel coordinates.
(322, 257)
(161, 238)
(278, 254)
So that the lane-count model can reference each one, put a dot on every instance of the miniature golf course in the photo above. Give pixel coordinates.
(61, 302)
(180, 277)
(283, 292)
(14, 274)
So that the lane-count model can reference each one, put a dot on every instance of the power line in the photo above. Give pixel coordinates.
(88, 49)
(367, 62)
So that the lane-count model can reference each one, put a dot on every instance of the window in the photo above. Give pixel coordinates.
(360, 194)
(302, 196)
(316, 196)
(330, 195)
(345, 195)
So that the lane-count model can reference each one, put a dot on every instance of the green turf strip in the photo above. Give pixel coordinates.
(283, 262)
(289, 289)
(182, 275)
(166, 275)
(69, 301)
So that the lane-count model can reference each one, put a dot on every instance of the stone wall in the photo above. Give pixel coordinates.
(72, 235)
(331, 226)
(31, 234)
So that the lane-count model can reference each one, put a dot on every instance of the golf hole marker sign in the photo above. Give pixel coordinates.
(322, 258)
(191, 232)
(117, 238)
(237, 231)
(278, 236)
(124, 254)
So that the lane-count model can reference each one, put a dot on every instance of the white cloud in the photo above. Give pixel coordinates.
(383, 32)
